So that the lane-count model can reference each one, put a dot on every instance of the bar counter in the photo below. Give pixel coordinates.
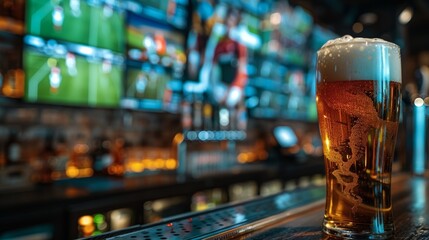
(289, 215)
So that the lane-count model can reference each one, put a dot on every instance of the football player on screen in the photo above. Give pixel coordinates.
(58, 17)
(55, 79)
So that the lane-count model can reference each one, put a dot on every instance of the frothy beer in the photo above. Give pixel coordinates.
(358, 99)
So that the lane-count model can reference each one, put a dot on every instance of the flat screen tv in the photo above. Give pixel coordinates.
(251, 53)
(155, 61)
(171, 12)
(74, 52)
(221, 46)
(71, 74)
(96, 23)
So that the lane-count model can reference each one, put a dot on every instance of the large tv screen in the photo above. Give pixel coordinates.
(71, 74)
(223, 38)
(73, 52)
(155, 64)
(281, 88)
(285, 33)
(97, 23)
(251, 53)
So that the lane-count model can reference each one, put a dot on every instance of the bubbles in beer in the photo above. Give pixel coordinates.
(348, 38)
(351, 107)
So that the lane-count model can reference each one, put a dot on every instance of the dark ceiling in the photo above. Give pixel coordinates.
(340, 15)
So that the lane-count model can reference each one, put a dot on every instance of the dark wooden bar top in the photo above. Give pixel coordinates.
(410, 198)
(290, 215)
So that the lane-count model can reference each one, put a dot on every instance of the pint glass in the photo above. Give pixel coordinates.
(358, 103)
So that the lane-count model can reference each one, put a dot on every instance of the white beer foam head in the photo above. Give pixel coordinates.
(349, 58)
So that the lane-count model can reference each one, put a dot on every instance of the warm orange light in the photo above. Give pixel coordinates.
(85, 220)
(242, 158)
(72, 171)
(251, 157)
(178, 138)
(171, 163)
(247, 157)
(159, 163)
(149, 164)
(86, 172)
(13, 84)
(115, 170)
(136, 166)
(88, 230)
(327, 144)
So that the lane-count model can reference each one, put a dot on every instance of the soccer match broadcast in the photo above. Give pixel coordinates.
(95, 23)
(69, 74)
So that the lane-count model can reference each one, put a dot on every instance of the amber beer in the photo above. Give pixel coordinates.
(358, 97)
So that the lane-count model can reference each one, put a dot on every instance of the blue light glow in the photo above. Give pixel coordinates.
(419, 153)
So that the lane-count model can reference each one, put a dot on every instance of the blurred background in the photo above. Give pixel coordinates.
(123, 112)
